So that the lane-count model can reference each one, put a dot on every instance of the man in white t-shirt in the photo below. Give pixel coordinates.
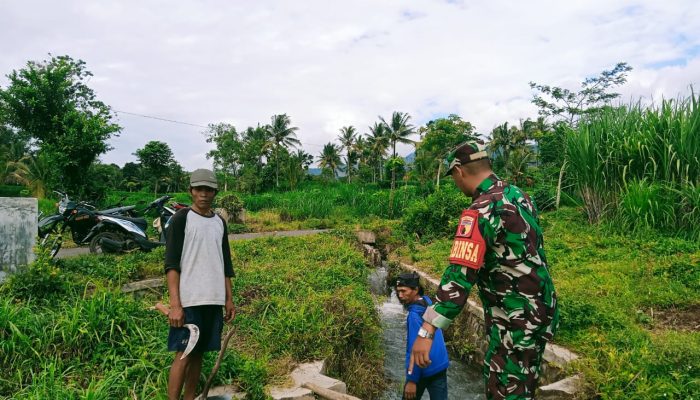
(198, 269)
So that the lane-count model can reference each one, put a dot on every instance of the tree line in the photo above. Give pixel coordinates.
(53, 129)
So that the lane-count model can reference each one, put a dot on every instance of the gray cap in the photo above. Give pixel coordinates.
(203, 177)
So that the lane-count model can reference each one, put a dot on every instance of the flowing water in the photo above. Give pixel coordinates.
(464, 382)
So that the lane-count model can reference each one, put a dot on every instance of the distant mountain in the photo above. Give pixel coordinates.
(314, 171)
(410, 158)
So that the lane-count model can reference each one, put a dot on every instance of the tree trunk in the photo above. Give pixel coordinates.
(437, 179)
(561, 176)
(277, 167)
(393, 167)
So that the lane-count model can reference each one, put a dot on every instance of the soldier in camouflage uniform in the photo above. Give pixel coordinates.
(499, 246)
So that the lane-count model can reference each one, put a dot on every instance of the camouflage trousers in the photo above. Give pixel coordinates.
(511, 371)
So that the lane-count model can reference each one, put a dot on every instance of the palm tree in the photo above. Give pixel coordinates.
(298, 166)
(398, 130)
(362, 151)
(347, 139)
(378, 143)
(32, 171)
(330, 158)
(510, 147)
(281, 135)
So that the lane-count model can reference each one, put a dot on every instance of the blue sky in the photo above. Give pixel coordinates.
(332, 64)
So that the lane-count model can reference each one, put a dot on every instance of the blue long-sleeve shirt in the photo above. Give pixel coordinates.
(438, 352)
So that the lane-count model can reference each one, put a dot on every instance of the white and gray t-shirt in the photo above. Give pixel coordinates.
(197, 246)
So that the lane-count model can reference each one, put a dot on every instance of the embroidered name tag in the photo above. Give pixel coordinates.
(469, 247)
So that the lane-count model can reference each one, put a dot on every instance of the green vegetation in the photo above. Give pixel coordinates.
(68, 331)
(335, 201)
(629, 305)
(49, 102)
(640, 167)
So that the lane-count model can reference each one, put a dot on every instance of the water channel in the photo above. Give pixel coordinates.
(464, 381)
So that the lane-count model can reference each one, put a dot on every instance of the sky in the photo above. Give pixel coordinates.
(329, 64)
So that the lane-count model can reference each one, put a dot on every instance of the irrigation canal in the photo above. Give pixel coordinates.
(464, 382)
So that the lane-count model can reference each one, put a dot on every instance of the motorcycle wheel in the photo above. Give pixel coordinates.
(96, 242)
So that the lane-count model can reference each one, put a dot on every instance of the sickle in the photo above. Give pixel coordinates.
(194, 331)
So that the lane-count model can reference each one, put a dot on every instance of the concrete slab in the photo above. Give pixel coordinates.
(18, 233)
(304, 374)
(223, 393)
(366, 237)
(561, 390)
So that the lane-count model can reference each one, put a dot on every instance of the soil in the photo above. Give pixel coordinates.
(678, 319)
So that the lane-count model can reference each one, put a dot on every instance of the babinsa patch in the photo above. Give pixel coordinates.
(469, 247)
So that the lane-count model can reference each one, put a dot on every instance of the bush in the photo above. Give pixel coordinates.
(11, 190)
(41, 280)
(231, 203)
(436, 216)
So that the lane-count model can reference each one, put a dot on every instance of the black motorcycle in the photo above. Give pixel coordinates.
(117, 234)
(80, 217)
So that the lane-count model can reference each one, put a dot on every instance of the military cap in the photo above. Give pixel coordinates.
(469, 151)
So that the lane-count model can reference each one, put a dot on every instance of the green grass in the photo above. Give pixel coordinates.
(335, 201)
(640, 166)
(614, 291)
(66, 331)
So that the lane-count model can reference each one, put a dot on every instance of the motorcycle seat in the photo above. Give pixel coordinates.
(140, 222)
(117, 210)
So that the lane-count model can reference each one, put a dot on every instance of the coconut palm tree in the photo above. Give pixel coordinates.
(281, 135)
(329, 160)
(397, 130)
(378, 142)
(347, 139)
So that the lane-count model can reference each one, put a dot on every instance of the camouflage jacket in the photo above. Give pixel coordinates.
(510, 268)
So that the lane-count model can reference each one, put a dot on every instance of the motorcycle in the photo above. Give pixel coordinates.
(117, 234)
(80, 217)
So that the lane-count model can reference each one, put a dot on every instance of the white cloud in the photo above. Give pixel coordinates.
(331, 64)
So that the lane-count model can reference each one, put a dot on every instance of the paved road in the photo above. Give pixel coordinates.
(76, 251)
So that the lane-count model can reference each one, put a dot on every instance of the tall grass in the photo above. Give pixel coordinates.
(74, 335)
(323, 201)
(640, 167)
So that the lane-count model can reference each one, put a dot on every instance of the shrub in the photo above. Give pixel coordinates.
(41, 280)
(436, 216)
(231, 203)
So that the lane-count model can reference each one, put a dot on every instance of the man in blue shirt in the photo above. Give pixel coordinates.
(434, 376)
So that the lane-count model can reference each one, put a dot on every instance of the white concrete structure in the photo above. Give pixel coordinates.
(18, 232)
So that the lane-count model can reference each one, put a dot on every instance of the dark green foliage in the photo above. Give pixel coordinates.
(50, 102)
(437, 215)
(157, 161)
(11, 190)
(438, 138)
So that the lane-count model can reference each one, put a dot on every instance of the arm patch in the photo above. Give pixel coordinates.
(469, 247)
